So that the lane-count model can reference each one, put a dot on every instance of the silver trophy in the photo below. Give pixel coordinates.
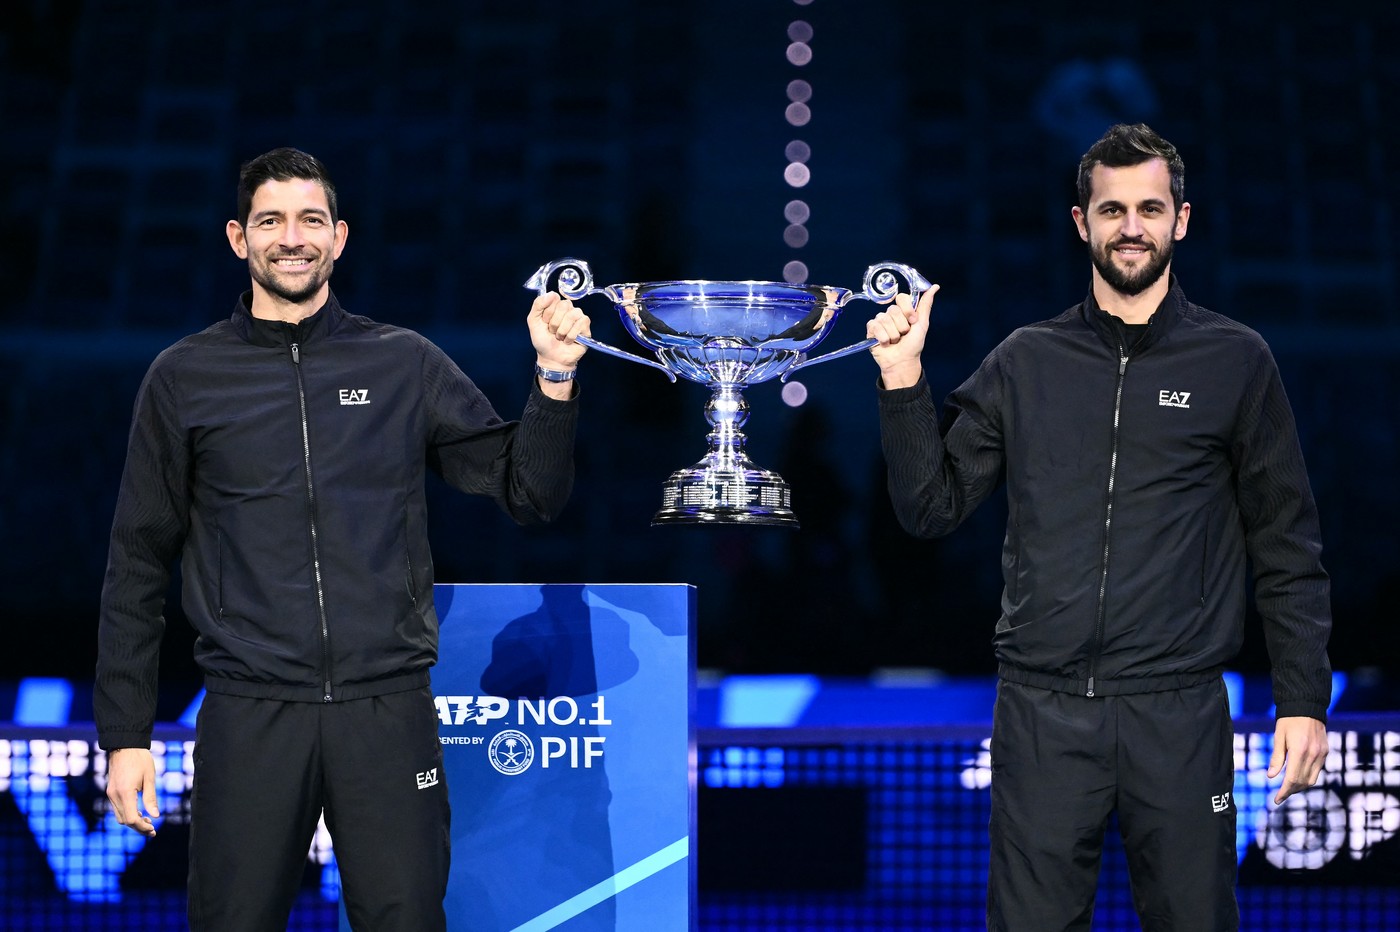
(726, 335)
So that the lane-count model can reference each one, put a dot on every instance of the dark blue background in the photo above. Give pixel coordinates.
(473, 141)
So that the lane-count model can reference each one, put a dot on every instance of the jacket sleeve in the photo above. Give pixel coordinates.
(1291, 590)
(148, 530)
(940, 472)
(526, 466)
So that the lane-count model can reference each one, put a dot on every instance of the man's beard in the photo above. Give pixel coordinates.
(264, 272)
(1127, 283)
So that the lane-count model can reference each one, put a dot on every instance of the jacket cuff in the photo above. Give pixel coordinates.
(116, 740)
(1301, 709)
(538, 396)
(902, 395)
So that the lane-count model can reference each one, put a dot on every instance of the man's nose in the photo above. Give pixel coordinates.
(291, 235)
(1132, 224)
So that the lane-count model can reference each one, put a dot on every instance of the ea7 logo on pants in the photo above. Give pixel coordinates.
(1220, 803)
(354, 396)
(1165, 399)
(427, 778)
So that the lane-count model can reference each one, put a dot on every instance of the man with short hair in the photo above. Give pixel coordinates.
(280, 455)
(1149, 452)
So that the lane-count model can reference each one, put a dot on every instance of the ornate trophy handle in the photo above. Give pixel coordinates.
(881, 285)
(882, 282)
(576, 281)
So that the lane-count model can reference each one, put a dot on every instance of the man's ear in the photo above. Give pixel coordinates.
(1183, 216)
(1080, 223)
(237, 238)
(342, 233)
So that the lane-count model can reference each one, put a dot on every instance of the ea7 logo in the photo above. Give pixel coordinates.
(1164, 398)
(1220, 803)
(354, 396)
(427, 778)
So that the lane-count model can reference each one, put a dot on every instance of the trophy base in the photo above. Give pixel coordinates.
(706, 495)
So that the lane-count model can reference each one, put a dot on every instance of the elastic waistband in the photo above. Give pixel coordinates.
(1124, 686)
(342, 692)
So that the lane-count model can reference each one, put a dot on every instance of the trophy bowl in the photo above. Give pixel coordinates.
(726, 335)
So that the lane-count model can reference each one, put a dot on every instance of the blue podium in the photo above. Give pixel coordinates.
(569, 752)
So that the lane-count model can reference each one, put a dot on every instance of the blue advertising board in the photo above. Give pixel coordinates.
(568, 742)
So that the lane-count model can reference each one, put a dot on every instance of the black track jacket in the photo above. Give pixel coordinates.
(285, 464)
(1138, 480)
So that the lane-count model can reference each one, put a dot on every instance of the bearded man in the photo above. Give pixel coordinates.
(1149, 454)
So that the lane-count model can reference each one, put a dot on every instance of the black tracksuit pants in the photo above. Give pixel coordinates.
(1062, 762)
(263, 772)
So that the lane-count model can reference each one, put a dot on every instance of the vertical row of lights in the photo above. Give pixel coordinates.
(798, 153)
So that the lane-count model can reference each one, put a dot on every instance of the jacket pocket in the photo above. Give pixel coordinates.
(1204, 567)
(1011, 558)
(219, 571)
(410, 580)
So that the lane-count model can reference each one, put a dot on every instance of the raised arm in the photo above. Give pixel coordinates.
(938, 472)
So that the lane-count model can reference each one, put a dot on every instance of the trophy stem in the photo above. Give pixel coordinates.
(725, 487)
(727, 412)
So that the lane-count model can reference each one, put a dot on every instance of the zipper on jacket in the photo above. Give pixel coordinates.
(315, 541)
(1107, 522)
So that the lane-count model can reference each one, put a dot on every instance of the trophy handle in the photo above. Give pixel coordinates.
(882, 282)
(881, 285)
(827, 357)
(575, 280)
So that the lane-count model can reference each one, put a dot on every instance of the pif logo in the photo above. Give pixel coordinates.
(354, 396)
(511, 752)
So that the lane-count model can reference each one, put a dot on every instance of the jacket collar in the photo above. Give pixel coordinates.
(1158, 325)
(260, 332)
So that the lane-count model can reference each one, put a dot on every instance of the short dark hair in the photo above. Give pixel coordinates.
(284, 164)
(1124, 145)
